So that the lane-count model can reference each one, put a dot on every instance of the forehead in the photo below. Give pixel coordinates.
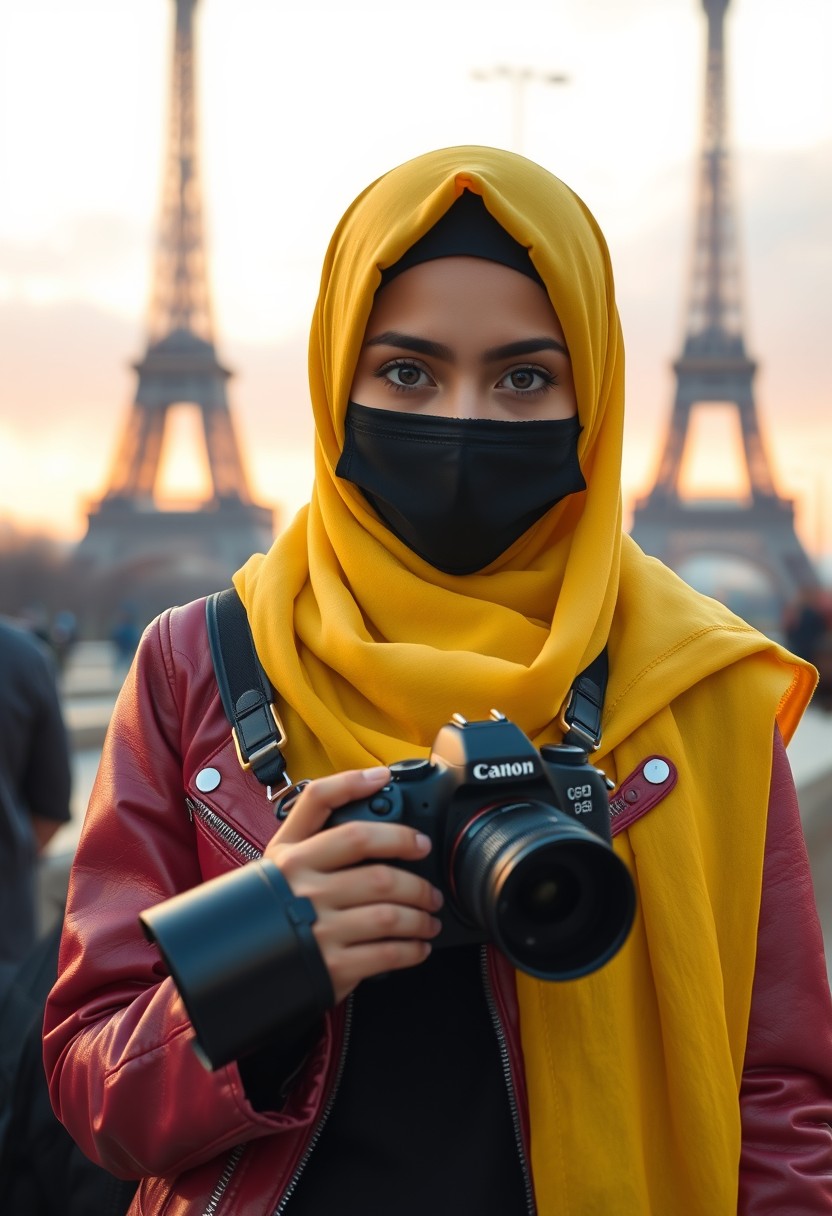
(463, 291)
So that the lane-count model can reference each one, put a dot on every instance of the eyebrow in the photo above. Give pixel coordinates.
(424, 346)
(526, 346)
(420, 346)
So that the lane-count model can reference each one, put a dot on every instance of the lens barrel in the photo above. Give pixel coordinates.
(552, 895)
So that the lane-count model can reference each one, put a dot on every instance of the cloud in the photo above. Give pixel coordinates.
(66, 383)
(63, 360)
(81, 249)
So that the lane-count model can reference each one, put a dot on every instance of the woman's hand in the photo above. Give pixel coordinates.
(371, 918)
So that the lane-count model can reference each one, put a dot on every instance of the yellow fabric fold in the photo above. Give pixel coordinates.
(633, 1072)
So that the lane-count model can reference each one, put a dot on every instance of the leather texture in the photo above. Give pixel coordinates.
(786, 1093)
(640, 791)
(124, 1078)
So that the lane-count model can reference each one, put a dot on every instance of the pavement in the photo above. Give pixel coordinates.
(92, 680)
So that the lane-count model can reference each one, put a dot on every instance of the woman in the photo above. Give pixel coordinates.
(462, 550)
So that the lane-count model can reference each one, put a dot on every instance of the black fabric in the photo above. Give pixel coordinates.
(42, 1170)
(421, 1122)
(34, 779)
(265, 969)
(267, 1074)
(586, 704)
(459, 491)
(244, 687)
(467, 229)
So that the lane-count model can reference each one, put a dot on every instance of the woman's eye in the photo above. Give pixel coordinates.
(404, 375)
(528, 380)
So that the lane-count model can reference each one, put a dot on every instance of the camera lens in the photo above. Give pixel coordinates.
(552, 895)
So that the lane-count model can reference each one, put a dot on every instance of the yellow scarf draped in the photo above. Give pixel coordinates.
(632, 1072)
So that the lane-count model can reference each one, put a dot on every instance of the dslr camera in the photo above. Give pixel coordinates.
(521, 846)
(521, 851)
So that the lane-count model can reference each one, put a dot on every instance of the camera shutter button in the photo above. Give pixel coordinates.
(380, 805)
(411, 770)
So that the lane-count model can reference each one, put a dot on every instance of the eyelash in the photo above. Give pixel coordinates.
(550, 380)
(392, 365)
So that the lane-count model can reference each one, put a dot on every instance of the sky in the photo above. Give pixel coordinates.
(301, 107)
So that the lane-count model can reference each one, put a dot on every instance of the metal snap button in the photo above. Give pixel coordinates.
(207, 779)
(656, 771)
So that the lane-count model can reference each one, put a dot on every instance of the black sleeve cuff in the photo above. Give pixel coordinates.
(269, 1073)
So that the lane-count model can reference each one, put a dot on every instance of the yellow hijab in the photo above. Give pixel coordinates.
(632, 1072)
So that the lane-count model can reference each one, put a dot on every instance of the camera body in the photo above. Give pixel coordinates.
(521, 845)
(521, 850)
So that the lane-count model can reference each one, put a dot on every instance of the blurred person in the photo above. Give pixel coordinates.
(806, 623)
(124, 636)
(463, 549)
(35, 781)
(807, 627)
(35, 620)
(63, 635)
(42, 1170)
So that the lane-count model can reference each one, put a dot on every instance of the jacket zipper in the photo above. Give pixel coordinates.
(505, 1061)
(222, 829)
(224, 1179)
(247, 850)
(499, 1030)
(249, 853)
(325, 1113)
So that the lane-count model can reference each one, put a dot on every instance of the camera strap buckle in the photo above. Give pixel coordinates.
(245, 690)
(258, 736)
(581, 714)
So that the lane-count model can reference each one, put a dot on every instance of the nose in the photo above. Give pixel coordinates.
(466, 400)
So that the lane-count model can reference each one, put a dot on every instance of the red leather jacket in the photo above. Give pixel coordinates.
(123, 1076)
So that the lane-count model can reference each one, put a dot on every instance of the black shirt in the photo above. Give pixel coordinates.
(421, 1121)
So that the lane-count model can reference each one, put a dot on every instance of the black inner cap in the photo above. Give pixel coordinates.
(467, 229)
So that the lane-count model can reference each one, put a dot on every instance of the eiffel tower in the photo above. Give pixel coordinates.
(714, 368)
(127, 528)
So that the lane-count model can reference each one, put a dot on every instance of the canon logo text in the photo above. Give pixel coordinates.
(515, 768)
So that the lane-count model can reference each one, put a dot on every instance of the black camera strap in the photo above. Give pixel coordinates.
(248, 697)
(581, 716)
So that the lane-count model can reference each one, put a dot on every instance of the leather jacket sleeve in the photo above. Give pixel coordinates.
(122, 1073)
(786, 1093)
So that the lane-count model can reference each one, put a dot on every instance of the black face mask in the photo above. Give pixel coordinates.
(459, 491)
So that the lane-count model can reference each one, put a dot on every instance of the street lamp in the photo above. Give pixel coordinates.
(519, 78)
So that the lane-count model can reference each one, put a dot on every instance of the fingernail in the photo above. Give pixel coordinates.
(375, 774)
(423, 842)
(438, 897)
